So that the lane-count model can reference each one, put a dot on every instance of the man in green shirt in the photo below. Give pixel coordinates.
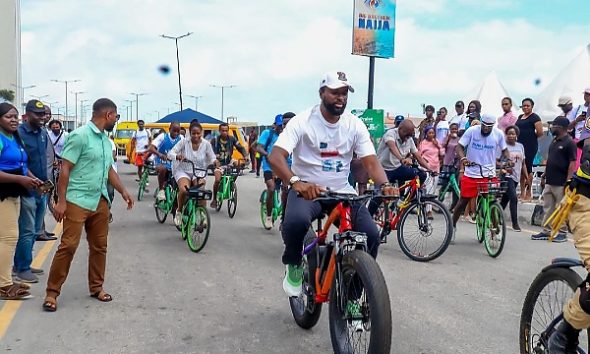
(83, 201)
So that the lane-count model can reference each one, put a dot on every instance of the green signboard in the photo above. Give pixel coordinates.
(373, 119)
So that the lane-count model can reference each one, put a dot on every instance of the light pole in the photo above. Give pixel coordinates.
(22, 91)
(76, 107)
(82, 110)
(222, 87)
(66, 82)
(178, 61)
(196, 101)
(137, 103)
(39, 97)
(158, 113)
(130, 113)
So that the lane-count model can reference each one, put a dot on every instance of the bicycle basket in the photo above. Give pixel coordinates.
(497, 188)
(200, 194)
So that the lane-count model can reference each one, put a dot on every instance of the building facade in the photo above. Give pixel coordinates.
(10, 60)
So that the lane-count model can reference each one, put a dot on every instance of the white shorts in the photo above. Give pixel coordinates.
(178, 174)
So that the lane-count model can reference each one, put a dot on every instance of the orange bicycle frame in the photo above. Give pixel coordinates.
(342, 213)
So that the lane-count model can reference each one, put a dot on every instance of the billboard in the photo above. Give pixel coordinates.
(373, 29)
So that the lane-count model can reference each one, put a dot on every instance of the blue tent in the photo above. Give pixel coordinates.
(186, 115)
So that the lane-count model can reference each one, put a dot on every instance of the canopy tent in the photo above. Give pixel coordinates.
(490, 94)
(187, 115)
(571, 81)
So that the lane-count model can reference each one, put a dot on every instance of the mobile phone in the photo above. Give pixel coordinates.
(45, 187)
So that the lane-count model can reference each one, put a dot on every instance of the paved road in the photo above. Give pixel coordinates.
(229, 299)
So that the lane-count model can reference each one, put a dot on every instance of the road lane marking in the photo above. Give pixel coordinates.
(11, 307)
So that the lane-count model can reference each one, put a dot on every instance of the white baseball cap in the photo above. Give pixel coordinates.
(488, 119)
(336, 80)
(563, 100)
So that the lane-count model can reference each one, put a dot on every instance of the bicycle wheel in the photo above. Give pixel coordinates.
(544, 301)
(480, 225)
(232, 202)
(219, 199)
(421, 239)
(185, 218)
(263, 209)
(141, 187)
(495, 233)
(359, 310)
(305, 310)
(198, 233)
(161, 212)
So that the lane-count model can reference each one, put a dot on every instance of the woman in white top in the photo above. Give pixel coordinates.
(198, 151)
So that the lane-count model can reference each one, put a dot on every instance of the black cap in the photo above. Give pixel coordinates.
(35, 106)
(560, 122)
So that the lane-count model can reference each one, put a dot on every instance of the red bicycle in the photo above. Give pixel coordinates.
(423, 235)
(339, 270)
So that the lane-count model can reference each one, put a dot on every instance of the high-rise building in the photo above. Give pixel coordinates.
(10, 60)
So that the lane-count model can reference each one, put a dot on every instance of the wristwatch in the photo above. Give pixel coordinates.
(294, 180)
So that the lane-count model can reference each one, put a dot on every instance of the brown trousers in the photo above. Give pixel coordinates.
(96, 224)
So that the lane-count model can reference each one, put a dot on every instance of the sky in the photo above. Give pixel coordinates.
(276, 52)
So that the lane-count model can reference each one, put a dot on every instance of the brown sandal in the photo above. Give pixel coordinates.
(14, 292)
(50, 304)
(102, 296)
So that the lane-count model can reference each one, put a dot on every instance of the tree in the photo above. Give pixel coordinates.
(7, 95)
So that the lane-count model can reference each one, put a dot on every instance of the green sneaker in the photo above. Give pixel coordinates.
(353, 310)
(293, 280)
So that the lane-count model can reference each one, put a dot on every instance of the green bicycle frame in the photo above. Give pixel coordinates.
(224, 187)
(171, 194)
(277, 209)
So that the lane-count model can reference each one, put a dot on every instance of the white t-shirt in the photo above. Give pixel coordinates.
(482, 150)
(114, 147)
(573, 114)
(142, 140)
(461, 120)
(58, 144)
(322, 151)
(442, 130)
(202, 157)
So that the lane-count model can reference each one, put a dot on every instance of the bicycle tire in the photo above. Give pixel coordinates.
(306, 312)
(161, 213)
(263, 209)
(480, 227)
(232, 202)
(426, 231)
(202, 230)
(184, 219)
(219, 199)
(493, 245)
(358, 266)
(528, 336)
(142, 185)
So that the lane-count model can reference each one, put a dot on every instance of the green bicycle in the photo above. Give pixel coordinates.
(277, 209)
(228, 189)
(449, 185)
(143, 182)
(489, 217)
(169, 205)
(196, 223)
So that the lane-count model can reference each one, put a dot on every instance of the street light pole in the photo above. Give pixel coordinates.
(137, 104)
(178, 61)
(222, 87)
(66, 82)
(81, 111)
(196, 101)
(76, 107)
(22, 92)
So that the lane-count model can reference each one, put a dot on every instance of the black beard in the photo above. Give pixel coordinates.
(485, 134)
(109, 128)
(55, 132)
(331, 108)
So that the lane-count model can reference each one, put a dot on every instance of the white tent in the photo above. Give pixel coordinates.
(571, 81)
(490, 94)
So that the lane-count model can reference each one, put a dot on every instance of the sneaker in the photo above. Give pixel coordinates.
(540, 236)
(293, 280)
(27, 277)
(471, 219)
(178, 219)
(37, 271)
(353, 309)
(516, 228)
(161, 196)
(268, 222)
(561, 237)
